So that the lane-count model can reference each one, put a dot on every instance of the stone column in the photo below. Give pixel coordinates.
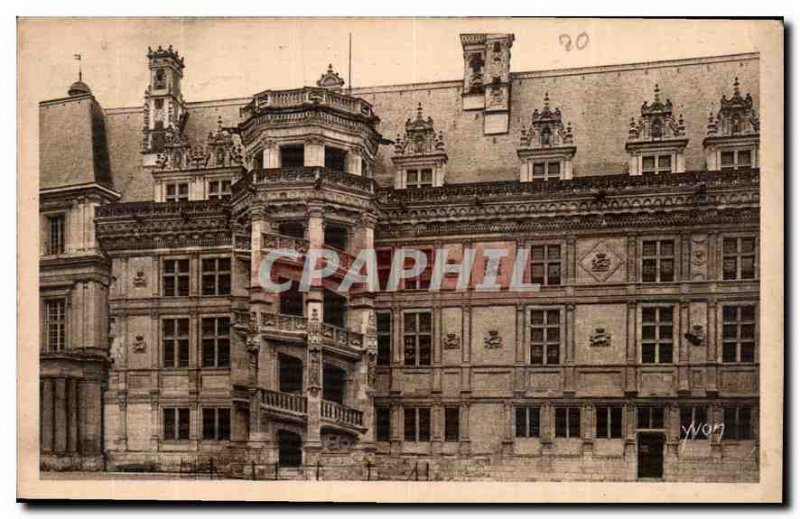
(314, 154)
(61, 426)
(313, 442)
(437, 426)
(91, 411)
(271, 155)
(72, 415)
(712, 355)
(520, 382)
(683, 348)
(463, 427)
(631, 383)
(569, 356)
(46, 416)
(352, 162)
(508, 428)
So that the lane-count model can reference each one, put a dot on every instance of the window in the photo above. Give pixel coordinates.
(55, 324)
(692, 421)
(657, 335)
(417, 424)
(568, 422)
(384, 260)
(56, 225)
(417, 338)
(650, 417)
(423, 281)
(608, 422)
(383, 423)
(546, 170)
(739, 258)
(176, 423)
(656, 164)
(175, 337)
(451, 416)
(219, 189)
(545, 336)
(384, 331)
(738, 333)
(216, 276)
(177, 192)
(336, 236)
(161, 79)
(159, 104)
(216, 423)
(738, 423)
(526, 422)
(419, 178)
(546, 265)
(216, 342)
(658, 261)
(293, 156)
(335, 158)
(176, 277)
(735, 159)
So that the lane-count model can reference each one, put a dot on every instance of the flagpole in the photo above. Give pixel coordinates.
(350, 64)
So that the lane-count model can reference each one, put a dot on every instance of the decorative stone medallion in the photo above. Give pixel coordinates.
(601, 261)
(451, 341)
(492, 340)
(600, 338)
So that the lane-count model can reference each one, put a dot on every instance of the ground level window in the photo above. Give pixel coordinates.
(527, 421)
(383, 422)
(693, 420)
(738, 423)
(216, 423)
(608, 422)
(451, 419)
(417, 424)
(176, 423)
(650, 417)
(568, 422)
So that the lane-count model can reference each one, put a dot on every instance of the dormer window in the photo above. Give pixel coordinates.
(420, 156)
(732, 134)
(656, 142)
(418, 178)
(546, 147)
(655, 164)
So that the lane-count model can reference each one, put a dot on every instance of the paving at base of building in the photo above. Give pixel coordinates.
(161, 352)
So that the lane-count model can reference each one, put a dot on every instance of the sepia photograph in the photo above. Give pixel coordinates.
(404, 259)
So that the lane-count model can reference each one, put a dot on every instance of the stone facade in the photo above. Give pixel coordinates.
(161, 349)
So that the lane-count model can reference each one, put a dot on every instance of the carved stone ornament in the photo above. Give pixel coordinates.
(420, 138)
(331, 80)
(656, 122)
(736, 116)
(601, 261)
(546, 129)
(451, 341)
(696, 336)
(492, 340)
(600, 338)
(139, 344)
(139, 280)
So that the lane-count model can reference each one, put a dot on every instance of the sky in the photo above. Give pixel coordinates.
(237, 57)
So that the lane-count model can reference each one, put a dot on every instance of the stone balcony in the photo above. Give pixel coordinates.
(314, 177)
(295, 327)
(294, 407)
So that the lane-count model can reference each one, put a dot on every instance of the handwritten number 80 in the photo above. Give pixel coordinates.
(581, 41)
